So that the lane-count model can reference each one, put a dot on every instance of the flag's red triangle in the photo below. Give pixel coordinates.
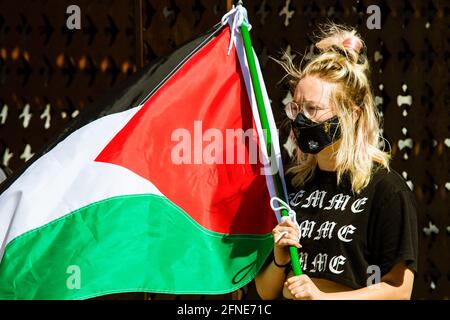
(209, 87)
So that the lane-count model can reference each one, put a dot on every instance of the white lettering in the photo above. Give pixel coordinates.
(315, 199)
(320, 262)
(296, 198)
(205, 311)
(303, 256)
(339, 201)
(306, 228)
(335, 262)
(344, 231)
(356, 206)
(325, 230)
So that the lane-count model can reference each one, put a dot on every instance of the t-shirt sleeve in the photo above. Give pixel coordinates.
(395, 235)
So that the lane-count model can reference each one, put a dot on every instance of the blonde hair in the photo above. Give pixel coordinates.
(341, 63)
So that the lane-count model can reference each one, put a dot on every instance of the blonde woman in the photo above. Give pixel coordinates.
(356, 216)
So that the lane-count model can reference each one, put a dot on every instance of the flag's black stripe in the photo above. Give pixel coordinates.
(132, 92)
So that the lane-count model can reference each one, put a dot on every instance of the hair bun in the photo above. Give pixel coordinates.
(353, 43)
(327, 43)
(342, 40)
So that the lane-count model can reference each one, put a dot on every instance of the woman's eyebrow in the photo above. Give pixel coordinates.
(311, 102)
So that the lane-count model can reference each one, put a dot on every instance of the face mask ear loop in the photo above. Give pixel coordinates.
(337, 129)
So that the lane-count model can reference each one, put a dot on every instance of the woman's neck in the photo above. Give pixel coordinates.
(325, 164)
(325, 158)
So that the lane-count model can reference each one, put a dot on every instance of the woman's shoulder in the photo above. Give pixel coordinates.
(387, 183)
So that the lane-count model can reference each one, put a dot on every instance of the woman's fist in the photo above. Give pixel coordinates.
(302, 288)
(285, 234)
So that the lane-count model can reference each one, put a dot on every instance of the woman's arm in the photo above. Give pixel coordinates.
(395, 285)
(269, 281)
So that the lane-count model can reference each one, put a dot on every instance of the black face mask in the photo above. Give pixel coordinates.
(312, 137)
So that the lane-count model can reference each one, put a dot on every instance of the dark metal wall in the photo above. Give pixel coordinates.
(48, 74)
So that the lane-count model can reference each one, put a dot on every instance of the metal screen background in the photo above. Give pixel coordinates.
(48, 74)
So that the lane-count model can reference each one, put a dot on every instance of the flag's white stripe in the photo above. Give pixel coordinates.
(273, 127)
(34, 200)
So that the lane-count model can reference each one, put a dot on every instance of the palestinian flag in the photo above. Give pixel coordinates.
(139, 193)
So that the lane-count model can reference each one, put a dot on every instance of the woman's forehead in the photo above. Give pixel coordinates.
(313, 89)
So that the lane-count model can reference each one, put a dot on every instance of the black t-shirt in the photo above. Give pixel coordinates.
(342, 233)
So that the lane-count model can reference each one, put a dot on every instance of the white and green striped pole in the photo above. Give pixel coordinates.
(296, 267)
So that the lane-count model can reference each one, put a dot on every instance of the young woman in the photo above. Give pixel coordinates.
(356, 216)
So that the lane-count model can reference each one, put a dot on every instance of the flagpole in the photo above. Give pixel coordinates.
(296, 267)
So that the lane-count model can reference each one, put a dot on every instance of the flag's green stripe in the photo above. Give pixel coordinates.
(121, 245)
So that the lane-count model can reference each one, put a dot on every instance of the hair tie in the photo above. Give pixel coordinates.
(352, 43)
